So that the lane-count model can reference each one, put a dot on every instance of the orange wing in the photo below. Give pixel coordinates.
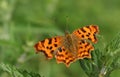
(64, 56)
(48, 46)
(87, 33)
(84, 49)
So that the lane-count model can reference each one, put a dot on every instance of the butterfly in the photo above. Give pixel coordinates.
(71, 47)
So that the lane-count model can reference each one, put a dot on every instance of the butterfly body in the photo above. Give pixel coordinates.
(70, 43)
(70, 47)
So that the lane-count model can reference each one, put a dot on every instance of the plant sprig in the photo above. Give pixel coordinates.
(103, 61)
(15, 72)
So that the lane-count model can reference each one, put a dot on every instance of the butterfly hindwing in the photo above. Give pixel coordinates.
(84, 49)
(48, 46)
(64, 56)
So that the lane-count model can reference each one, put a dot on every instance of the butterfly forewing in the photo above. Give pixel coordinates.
(87, 33)
(84, 49)
(48, 46)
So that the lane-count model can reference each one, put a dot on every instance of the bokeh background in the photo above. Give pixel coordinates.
(24, 22)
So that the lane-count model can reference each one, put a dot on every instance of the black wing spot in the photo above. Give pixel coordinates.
(88, 34)
(66, 53)
(85, 55)
(78, 32)
(89, 28)
(86, 45)
(52, 51)
(84, 51)
(80, 52)
(45, 53)
(83, 30)
(82, 41)
(89, 50)
(69, 62)
(80, 47)
(55, 39)
(50, 47)
(66, 58)
(50, 41)
(47, 47)
(55, 45)
(95, 37)
(82, 36)
(89, 38)
(60, 49)
(63, 49)
(96, 28)
(42, 43)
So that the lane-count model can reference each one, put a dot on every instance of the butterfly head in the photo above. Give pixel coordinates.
(67, 33)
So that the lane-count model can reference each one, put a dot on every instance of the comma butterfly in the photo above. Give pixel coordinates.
(70, 47)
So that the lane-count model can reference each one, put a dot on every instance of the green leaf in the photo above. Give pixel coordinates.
(14, 72)
(91, 66)
(114, 46)
(103, 61)
(113, 53)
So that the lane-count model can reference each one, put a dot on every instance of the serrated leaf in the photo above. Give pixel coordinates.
(114, 45)
(14, 72)
(91, 65)
(112, 55)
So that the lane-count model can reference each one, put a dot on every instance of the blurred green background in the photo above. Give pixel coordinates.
(25, 22)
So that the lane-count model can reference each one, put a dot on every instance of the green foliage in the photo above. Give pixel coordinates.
(14, 72)
(103, 61)
(25, 22)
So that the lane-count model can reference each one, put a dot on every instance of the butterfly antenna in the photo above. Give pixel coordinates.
(67, 26)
